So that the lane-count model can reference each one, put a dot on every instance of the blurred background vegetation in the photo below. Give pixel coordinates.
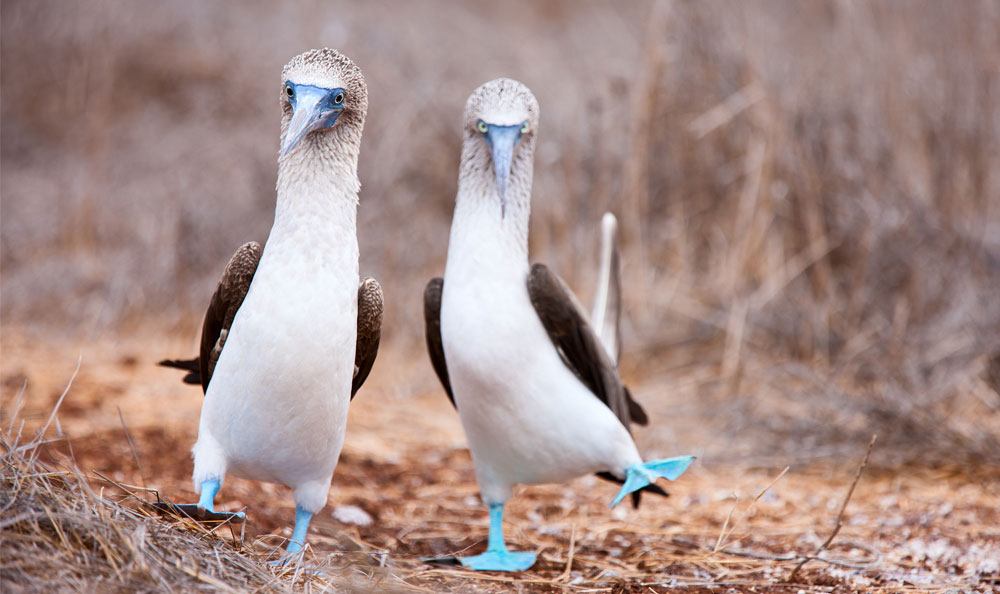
(809, 192)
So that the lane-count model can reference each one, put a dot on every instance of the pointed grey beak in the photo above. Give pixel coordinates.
(502, 140)
(313, 108)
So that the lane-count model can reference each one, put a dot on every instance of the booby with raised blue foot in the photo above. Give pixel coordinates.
(536, 387)
(290, 333)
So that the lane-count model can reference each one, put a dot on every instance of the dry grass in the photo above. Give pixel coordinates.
(60, 535)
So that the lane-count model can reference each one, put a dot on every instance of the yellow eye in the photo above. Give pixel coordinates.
(339, 98)
(289, 91)
(524, 128)
(481, 126)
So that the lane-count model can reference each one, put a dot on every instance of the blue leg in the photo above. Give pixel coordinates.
(638, 476)
(209, 489)
(302, 518)
(497, 557)
(298, 539)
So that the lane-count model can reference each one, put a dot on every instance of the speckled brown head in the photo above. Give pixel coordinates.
(499, 128)
(501, 102)
(323, 98)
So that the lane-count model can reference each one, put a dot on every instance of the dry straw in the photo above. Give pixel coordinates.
(58, 535)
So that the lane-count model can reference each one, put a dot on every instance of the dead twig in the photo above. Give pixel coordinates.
(131, 447)
(840, 516)
(569, 561)
(859, 564)
(723, 535)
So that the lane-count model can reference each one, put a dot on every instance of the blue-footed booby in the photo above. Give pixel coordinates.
(537, 390)
(290, 333)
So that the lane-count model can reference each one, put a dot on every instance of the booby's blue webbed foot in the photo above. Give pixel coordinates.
(639, 475)
(499, 561)
(199, 514)
(497, 557)
(204, 510)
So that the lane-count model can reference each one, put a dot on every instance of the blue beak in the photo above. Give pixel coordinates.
(313, 108)
(502, 140)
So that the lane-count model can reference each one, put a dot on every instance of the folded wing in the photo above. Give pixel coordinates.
(228, 297)
(370, 304)
(432, 326)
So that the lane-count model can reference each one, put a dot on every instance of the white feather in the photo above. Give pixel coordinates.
(606, 313)
(276, 407)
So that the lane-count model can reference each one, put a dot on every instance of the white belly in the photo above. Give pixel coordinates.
(277, 403)
(527, 418)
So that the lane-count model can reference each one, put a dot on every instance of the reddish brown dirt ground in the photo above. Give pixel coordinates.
(404, 464)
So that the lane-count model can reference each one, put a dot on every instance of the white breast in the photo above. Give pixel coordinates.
(528, 419)
(276, 407)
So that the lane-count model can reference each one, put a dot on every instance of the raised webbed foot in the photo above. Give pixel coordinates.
(638, 476)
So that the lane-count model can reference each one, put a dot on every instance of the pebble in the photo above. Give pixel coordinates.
(352, 514)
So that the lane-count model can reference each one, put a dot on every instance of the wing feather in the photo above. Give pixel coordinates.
(225, 302)
(370, 306)
(584, 353)
(432, 321)
(578, 345)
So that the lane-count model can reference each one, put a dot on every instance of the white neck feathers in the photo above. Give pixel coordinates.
(479, 221)
(318, 185)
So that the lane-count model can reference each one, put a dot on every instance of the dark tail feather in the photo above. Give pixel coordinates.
(192, 366)
(635, 411)
(185, 364)
(636, 495)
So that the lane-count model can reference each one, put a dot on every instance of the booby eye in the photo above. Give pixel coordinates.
(338, 99)
(481, 126)
(289, 91)
(525, 128)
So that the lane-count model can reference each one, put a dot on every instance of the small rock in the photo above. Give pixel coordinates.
(352, 514)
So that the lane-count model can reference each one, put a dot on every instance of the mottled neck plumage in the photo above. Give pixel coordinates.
(478, 216)
(318, 181)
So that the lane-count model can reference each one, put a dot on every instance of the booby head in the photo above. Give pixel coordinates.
(321, 91)
(500, 121)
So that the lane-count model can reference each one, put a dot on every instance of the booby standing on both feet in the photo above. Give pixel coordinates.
(290, 333)
(539, 396)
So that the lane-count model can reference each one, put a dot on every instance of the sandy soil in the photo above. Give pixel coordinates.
(405, 490)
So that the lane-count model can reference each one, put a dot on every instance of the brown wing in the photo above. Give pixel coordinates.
(578, 344)
(582, 351)
(432, 325)
(370, 305)
(226, 300)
